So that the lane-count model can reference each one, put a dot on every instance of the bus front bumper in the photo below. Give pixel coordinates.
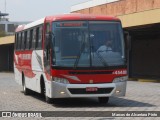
(60, 90)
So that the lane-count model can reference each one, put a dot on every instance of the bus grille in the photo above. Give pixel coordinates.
(83, 91)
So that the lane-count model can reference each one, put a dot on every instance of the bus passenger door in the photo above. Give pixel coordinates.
(47, 52)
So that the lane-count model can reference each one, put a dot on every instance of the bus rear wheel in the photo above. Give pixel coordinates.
(25, 89)
(103, 100)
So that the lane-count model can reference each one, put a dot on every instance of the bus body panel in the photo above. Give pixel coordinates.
(89, 76)
(62, 90)
(30, 63)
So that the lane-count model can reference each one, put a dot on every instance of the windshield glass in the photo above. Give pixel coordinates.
(88, 44)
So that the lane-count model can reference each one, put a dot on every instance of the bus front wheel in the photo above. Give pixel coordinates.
(47, 99)
(103, 100)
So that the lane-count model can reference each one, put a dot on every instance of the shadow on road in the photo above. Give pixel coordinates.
(91, 102)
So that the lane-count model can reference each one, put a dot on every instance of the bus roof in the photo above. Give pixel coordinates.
(30, 25)
(65, 17)
(79, 16)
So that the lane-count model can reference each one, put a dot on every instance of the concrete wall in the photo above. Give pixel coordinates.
(122, 7)
(130, 12)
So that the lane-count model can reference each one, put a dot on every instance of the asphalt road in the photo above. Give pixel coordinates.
(140, 96)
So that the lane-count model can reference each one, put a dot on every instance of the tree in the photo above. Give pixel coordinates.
(2, 33)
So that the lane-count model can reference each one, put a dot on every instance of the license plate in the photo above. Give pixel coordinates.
(91, 89)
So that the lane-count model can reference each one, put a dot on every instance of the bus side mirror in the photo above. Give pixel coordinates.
(127, 39)
(48, 40)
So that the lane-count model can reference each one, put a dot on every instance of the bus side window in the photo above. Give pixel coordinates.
(27, 42)
(46, 33)
(25, 39)
(22, 42)
(15, 45)
(33, 39)
(30, 38)
(38, 37)
(46, 43)
(19, 41)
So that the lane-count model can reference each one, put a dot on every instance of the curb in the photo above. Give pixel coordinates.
(145, 80)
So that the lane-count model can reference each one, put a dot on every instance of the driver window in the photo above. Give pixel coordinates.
(47, 31)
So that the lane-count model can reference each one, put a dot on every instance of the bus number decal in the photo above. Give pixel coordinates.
(120, 72)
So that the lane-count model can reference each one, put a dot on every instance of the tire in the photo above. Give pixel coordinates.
(26, 91)
(103, 100)
(47, 99)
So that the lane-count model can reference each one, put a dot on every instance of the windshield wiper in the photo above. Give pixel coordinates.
(80, 53)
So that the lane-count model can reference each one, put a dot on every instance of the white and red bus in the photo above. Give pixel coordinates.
(59, 57)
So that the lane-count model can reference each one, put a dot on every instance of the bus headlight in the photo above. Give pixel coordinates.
(120, 79)
(60, 80)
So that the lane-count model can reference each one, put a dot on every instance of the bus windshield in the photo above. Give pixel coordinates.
(88, 44)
